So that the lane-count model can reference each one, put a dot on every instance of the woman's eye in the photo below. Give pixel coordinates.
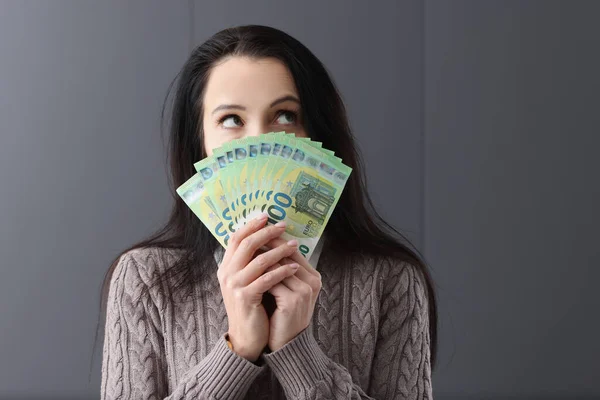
(289, 115)
(227, 121)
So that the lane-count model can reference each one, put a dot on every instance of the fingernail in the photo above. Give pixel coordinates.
(294, 266)
(280, 224)
(292, 242)
(261, 217)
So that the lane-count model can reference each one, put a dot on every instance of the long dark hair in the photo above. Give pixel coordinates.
(354, 230)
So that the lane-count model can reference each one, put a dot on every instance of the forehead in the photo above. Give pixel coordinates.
(248, 82)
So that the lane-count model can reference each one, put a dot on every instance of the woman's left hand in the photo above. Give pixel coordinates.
(296, 297)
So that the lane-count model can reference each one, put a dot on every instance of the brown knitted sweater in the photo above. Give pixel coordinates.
(369, 338)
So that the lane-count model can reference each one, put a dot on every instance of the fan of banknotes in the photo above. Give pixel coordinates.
(290, 178)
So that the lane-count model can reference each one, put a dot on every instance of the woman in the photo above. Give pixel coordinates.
(186, 319)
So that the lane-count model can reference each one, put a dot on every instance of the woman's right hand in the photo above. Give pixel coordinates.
(243, 283)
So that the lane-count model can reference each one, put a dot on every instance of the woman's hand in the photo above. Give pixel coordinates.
(296, 297)
(243, 286)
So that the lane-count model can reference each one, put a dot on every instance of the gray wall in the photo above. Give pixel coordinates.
(512, 128)
(81, 173)
(487, 107)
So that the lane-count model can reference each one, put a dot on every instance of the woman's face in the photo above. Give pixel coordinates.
(247, 97)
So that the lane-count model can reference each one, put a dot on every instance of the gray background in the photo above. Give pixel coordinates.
(489, 109)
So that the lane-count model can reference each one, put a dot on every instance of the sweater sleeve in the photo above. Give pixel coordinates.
(401, 366)
(134, 364)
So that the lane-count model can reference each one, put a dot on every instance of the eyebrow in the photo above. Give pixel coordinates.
(273, 104)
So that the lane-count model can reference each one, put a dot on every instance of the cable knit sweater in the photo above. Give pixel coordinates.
(368, 339)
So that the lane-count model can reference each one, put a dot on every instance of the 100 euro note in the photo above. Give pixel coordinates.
(216, 166)
(308, 190)
(233, 191)
(243, 164)
(220, 197)
(231, 183)
(235, 181)
(215, 170)
(292, 179)
(259, 178)
(252, 146)
(195, 194)
(259, 156)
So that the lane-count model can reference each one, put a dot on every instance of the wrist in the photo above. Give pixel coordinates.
(240, 350)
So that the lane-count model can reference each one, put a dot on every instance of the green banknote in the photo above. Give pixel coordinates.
(292, 179)
(305, 193)
(195, 194)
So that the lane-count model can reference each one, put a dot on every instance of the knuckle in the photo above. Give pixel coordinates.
(234, 239)
(316, 284)
(247, 244)
(289, 250)
(268, 277)
(239, 294)
(297, 300)
(262, 260)
(229, 283)
(271, 269)
(274, 231)
(307, 292)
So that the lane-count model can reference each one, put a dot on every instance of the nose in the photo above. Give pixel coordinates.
(257, 130)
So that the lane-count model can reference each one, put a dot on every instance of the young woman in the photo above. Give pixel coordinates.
(186, 319)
